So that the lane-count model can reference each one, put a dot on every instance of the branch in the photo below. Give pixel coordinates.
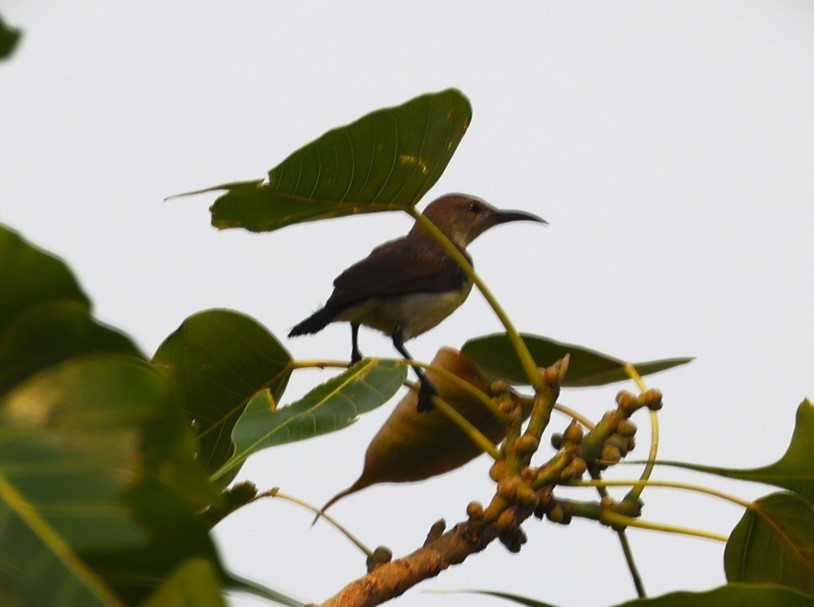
(440, 551)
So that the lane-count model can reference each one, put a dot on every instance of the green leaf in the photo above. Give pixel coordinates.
(9, 37)
(194, 583)
(44, 315)
(219, 359)
(98, 448)
(329, 407)
(731, 595)
(70, 449)
(794, 471)
(774, 543)
(50, 332)
(31, 552)
(496, 357)
(29, 276)
(385, 161)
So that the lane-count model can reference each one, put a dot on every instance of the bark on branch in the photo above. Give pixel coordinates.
(394, 578)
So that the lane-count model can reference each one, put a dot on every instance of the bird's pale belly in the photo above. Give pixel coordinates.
(415, 314)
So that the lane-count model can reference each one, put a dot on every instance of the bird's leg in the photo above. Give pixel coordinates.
(427, 390)
(355, 355)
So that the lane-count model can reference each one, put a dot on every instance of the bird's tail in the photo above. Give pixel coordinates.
(314, 323)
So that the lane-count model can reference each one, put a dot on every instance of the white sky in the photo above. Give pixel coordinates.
(669, 145)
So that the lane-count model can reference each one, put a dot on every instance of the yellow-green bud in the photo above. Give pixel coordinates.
(526, 444)
(507, 487)
(474, 510)
(574, 470)
(505, 405)
(556, 514)
(573, 433)
(504, 520)
(653, 399)
(610, 455)
(626, 428)
(498, 470)
(626, 401)
(527, 496)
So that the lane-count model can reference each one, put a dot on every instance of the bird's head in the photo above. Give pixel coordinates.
(462, 218)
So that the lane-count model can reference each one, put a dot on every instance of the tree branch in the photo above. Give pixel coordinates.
(439, 552)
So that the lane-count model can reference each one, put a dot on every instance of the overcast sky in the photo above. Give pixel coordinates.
(669, 145)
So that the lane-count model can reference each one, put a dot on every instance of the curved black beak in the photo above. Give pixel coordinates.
(507, 216)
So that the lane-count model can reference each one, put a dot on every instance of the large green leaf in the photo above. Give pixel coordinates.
(50, 332)
(9, 37)
(731, 595)
(329, 407)
(99, 450)
(495, 356)
(194, 583)
(29, 276)
(44, 315)
(794, 471)
(219, 359)
(386, 160)
(31, 552)
(774, 543)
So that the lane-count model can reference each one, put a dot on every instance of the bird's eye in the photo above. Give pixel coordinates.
(474, 207)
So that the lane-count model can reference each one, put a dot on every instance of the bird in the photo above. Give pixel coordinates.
(407, 286)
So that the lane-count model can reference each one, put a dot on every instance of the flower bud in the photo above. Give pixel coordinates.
(573, 433)
(526, 444)
(626, 428)
(626, 401)
(474, 510)
(610, 455)
(498, 470)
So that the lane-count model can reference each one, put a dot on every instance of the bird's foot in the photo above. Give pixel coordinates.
(425, 394)
(355, 357)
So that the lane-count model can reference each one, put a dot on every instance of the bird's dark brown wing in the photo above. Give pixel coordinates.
(397, 268)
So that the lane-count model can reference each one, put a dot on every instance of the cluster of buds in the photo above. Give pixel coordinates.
(615, 435)
(630, 403)
(562, 511)
(522, 487)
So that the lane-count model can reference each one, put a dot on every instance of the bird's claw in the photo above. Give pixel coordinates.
(425, 394)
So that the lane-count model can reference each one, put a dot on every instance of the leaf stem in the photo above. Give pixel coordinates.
(670, 484)
(275, 492)
(529, 366)
(615, 519)
(627, 551)
(633, 374)
(636, 491)
(318, 364)
(574, 414)
(463, 424)
(476, 393)
(527, 401)
(631, 564)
